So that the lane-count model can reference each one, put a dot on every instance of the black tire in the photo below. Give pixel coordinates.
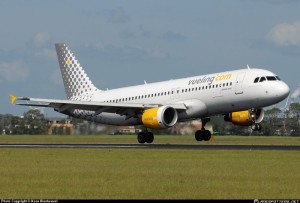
(199, 135)
(207, 135)
(149, 137)
(141, 137)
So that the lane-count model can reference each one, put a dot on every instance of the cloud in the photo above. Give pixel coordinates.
(280, 1)
(127, 34)
(285, 34)
(140, 32)
(144, 32)
(174, 36)
(46, 53)
(117, 16)
(13, 71)
(127, 51)
(42, 39)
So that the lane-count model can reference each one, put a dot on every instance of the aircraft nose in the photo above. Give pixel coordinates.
(283, 90)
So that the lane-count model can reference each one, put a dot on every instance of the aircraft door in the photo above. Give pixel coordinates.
(239, 83)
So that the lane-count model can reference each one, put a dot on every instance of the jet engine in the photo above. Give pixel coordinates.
(249, 117)
(160, 117)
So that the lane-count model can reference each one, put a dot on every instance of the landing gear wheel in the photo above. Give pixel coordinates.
(203, 134)
(141, 138)
(149, 137)
(198, 135)
(206, 135)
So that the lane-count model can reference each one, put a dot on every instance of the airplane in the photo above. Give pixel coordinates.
(238, 95)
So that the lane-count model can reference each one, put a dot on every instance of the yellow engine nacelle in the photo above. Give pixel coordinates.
(160, 117)
(245, 118)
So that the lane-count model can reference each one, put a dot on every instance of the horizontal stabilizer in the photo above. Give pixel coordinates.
(13, 98)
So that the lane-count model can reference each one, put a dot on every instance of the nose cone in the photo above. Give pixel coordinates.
(282, 91)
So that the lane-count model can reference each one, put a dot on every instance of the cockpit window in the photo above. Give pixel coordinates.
(256, 80)
(277, 77)
(262, 79)
(271, 78)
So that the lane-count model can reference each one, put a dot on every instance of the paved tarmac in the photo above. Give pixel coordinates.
(157, 146)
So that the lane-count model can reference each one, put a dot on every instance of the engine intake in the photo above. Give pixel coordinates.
(160, 117)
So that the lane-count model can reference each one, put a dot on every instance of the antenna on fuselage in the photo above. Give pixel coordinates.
(248, 67)
(145, 82)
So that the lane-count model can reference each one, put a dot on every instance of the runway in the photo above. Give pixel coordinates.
(157, 146)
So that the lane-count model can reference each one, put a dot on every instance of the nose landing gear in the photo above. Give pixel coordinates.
(256, 127)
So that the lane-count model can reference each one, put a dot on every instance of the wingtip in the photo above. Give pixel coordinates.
(13, 98)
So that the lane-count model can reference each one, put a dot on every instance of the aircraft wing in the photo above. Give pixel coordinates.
(98, 107)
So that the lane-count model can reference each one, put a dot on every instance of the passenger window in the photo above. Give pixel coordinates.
(256, 80)
(262, 79)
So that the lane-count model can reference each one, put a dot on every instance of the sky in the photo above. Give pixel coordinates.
(122, 43)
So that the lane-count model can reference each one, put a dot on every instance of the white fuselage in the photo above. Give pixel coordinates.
(204, 95)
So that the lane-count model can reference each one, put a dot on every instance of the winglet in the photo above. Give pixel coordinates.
(13, 98)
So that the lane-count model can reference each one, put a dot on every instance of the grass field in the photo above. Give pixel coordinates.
(159, 139)
(147, 173)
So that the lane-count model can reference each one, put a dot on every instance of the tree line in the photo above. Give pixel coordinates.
(276, 122)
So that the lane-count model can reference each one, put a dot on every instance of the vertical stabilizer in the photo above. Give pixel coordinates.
(77, 84)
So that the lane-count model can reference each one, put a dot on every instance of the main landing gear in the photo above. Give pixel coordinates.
(203, 134)
(145, 136)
